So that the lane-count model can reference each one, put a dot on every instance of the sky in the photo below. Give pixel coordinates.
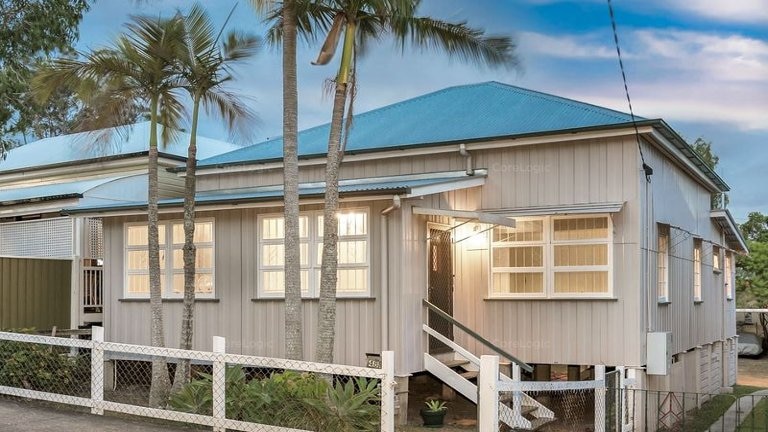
(701, 65)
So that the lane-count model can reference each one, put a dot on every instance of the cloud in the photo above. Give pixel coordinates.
(675, 74)
(746, 11)
(567, 46)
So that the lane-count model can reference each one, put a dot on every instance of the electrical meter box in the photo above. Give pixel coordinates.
(658, 353)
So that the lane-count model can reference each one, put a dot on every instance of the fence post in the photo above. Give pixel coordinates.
(219, 384)
(97, 370)
(600, 398)
(488, 394)
(388, 391)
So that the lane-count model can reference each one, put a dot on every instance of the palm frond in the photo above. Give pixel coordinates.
(455, 39)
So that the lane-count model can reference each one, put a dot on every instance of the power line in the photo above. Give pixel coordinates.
(646, 168)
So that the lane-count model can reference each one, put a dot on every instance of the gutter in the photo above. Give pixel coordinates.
(396, 203)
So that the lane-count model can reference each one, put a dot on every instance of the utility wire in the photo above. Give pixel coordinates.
(646, 168)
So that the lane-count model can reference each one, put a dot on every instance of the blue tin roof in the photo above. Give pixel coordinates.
(463, 113)
(73, 189)
(84, 146)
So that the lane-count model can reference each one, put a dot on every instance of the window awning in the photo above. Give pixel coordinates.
(733, 236)
(483, 217)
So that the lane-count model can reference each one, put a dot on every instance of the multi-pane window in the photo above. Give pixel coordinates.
(353, 254)
(716, 259)
(552, 257)
(697, 270)
(171, 238)
(728, 276)
(662, 263)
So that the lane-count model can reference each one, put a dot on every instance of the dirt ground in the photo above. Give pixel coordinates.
(753, 372)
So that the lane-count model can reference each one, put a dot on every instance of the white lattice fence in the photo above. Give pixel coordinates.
(42, 238)
(227, 391)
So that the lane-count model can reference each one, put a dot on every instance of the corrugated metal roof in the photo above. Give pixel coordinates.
(87, 145)
(468, 112)
(51, 191)
(374, 185)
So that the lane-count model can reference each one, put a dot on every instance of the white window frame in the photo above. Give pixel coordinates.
(315, 245)
(728, 275)
(548, 255)
(698, 269)
(717, 259)
(168, 248)
(662, 256)
(543, 270)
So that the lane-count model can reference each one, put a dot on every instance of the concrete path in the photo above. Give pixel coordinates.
(738, 412)
(17, 416)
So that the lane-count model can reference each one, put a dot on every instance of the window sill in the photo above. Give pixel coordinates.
(664, 302)
(717, 271)
(168, 300)
(610, 299)
(698, 302)
(729, 299)
(310, 299)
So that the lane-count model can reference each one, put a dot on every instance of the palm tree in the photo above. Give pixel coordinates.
(285, 14)
(205, 68)
(140, 66)
(354, 24)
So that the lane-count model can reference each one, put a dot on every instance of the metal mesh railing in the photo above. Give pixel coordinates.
(223, 391)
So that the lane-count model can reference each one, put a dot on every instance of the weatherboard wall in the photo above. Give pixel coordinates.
(683, 204)
(251, 325)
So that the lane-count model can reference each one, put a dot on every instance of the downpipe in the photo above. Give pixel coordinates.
(384, 221)
(468, 157)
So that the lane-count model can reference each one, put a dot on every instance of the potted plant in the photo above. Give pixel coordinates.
(434, 413)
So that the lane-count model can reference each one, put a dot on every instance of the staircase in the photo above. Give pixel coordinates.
(517, 410)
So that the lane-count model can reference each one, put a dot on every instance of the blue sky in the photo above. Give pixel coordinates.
(702, 65)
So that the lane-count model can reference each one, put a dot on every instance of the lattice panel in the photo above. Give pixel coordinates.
(95, 241)
(44, 238)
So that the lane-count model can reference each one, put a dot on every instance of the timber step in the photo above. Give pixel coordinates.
(470, 375)
(455, 363)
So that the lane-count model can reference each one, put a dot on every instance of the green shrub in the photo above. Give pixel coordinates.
(42, 368)
(289, 399)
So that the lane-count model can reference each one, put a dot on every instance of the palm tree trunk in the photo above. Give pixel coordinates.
(330, 263)
(183, 371)
(158, 392)
(294, 343)
(328, 270)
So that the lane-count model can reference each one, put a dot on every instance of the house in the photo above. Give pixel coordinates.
(557, 231)
(50, 264)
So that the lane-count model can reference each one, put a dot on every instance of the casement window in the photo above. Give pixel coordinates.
(550, 257)
(697, 270)
(662, 263)
(353, 254)
(171, 236)
(716, 266)
(728, 276)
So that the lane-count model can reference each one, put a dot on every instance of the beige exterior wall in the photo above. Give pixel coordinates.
(607, 331)
(677, 200)
(251, 326)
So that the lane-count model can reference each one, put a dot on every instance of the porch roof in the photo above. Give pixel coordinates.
(733, 236)
(49, 192)
(407, 186)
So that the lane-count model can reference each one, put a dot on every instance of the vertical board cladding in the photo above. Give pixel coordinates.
(540, 331)
(34, 293)
(679, 201)
(251, 325)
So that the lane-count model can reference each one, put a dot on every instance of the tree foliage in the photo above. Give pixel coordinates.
(703, 148)
(752, 269)
(31, 30)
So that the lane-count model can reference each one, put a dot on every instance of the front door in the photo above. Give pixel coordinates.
(440, 284)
